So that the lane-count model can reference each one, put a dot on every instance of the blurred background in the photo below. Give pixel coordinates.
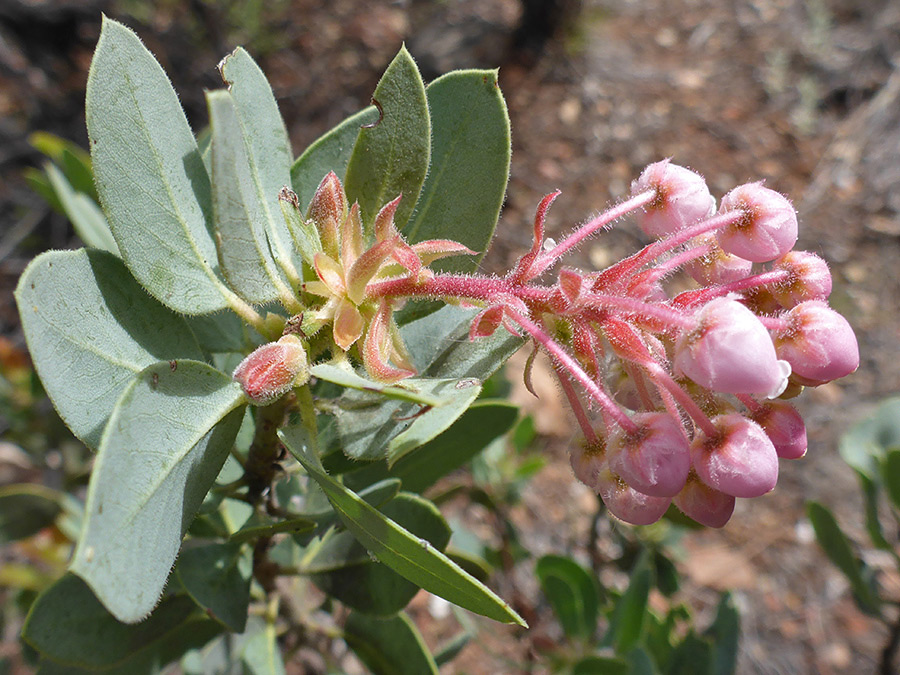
(804, 94)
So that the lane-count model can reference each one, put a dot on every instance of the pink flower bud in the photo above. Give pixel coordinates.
(656, 459)
(717, 266)
(818, 343)
(768, 227)
(730, 351)
(627, 503)
(682, 198)
(272, 370)
(739, 461)
(809, 278)
(784, 426)
(587, 462)
(703, 504)
(328, 209)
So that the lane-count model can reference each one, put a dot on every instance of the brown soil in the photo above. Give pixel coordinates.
(805, 95)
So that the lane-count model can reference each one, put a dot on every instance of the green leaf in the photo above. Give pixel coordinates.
(76, 165)
(890, 474)
(39, 182)
(69, 625)
(640, 662)
(478, 426)
(268, 147)
(87, 218)
(346, 572)
(261, 655)
(666, 574)
(692, 656)
(90, 327)
(573, 594)
(441, 348)
(223, 333)
(873, 520)
(26, 509)
(864, 446)
(470, 154)
(397, 548)
(165, 442)
(391, 646)
(601, 665)
(837, 547)
(449, 650)
(391, 158)
(241, 209)
(725, 633)
(330, 152)
(406, 390)
(150, 176)
(217, 577)
(629, 614)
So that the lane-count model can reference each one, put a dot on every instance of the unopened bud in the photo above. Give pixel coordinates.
(818, 343)
(784, 426)
(654, 460)
(808, 278)
(328, 210)
(767, 228)
(624, 502)
(272, 370)
(704, 504)
(682, 198)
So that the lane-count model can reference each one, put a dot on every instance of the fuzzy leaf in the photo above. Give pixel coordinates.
(470, 154)
(391, 157)
(151, 179)
(163, 447)
(394, 546)
(268, 147)
(90, 327)
(241, 209)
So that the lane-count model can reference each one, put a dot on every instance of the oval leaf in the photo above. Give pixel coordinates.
(90, 327)
(864, 446)
(406, 554)
(572, 592)
(241, 209)
(163, 447)
(391, 157)
(26, 509)
(470, 154)
(150, 176)
(217, 577)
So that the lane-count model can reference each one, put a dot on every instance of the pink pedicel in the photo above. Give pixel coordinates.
(671, 388)
(730, 351)
(654, 461)
(272, 370)
(784, 426)
(682, 198)
(739, 460)
(808, 278)
(818, 343)
(704, 504)
(768, 228)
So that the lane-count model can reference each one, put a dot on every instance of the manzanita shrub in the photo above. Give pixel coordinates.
(236, 304)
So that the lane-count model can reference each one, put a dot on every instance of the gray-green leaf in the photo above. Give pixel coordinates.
(165, 442)
(90, 327)
(470, 154)
(391, 157)
(150, 176)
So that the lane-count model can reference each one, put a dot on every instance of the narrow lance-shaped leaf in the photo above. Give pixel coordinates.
(90, 327)
(242, 215)
(165, 442)
(87, 218)
(396, 547)
(268, 147)
(151, 179)
(330, 152)
(470, 155)
(391, 157)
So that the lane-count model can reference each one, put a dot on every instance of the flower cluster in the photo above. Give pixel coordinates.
(688, 389)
